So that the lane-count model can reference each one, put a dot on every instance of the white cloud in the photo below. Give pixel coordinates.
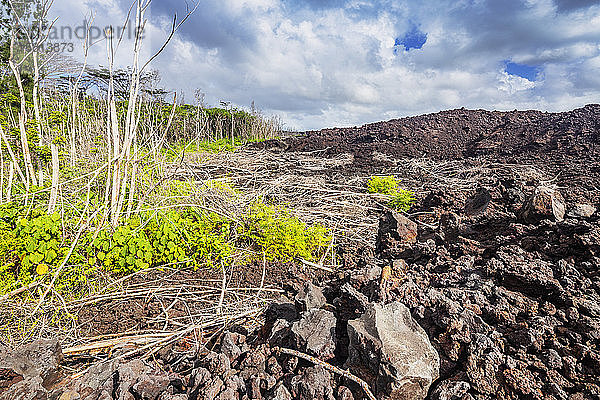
(333, 63)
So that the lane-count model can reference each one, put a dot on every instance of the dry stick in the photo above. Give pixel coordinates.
(329, 367)
(18, 291)
(262, 279)
(312, 264)
(55, 176)
(12, 154)
(223, 289)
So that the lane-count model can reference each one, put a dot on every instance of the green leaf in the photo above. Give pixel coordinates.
(37, 258)
(50, 255)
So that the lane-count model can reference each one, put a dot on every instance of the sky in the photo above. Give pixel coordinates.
(325, 63)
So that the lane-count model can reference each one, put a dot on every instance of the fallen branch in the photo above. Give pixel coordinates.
(329, 367)
(314, 265)
(18, 291)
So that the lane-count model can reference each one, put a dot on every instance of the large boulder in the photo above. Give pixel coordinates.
(395, 232)
(390, 350)
(544, 203)
(315, 333)
(29, 371)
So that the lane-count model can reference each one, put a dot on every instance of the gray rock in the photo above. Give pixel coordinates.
(217, 363)
(229, 347)
(581, 211)
(395, 231)
(254, 388)
(389, 348)
(151, 386)
(281, 310)
(280, 393)
(450, 390)
(227, 394)
(313, 384)
(211, 390)
(280, 332)
(552, 359)
(309, 297)
(478, 203)
(315, 333)
(449, 226)
(484, 360)
(128, 375)
(41, 358)
(29, 371)
(545, 203)
(199, 377)
(351, 303)
(28, 389)
(343, 393)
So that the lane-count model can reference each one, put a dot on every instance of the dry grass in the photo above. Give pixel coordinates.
(315, 188)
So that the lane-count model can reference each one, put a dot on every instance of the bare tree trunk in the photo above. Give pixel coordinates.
(55, 176)
(12, 154)
(30, 172)
(11, 175)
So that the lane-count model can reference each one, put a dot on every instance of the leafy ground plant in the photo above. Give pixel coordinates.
(400, 199)
(33, 246)
(281, 236)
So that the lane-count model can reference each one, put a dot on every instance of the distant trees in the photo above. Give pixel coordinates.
(23, 24)
(97, 79)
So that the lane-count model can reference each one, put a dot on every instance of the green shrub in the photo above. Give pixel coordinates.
(29, 248)
(400, 199)
(183, 238)
(282, 236)
(32, 247)
(127, 249)
(383, 185)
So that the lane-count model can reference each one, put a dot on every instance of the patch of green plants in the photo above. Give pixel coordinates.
(33, 245)
(400, 199)
(30, 246)
(277, 234)
(174, 238)
(220, 145)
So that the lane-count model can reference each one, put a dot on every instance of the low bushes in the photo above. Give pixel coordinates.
(34, 245)
(399, 199)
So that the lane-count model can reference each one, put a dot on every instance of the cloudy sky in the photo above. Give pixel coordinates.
(323, 63)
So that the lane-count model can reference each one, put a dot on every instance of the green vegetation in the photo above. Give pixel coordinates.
(33, 246)
(96, 182)
(281, 236)
(400, 199)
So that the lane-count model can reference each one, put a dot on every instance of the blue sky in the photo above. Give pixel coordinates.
(321, 63)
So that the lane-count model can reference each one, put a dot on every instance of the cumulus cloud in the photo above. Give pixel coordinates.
(342, 62)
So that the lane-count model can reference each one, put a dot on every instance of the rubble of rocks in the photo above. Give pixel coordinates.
(497, 301)
(386, 344)
(510, 300)
(489, 293)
